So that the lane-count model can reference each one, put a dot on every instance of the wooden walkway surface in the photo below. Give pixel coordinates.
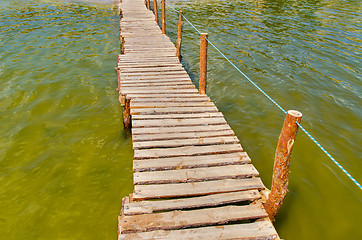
(192, 179)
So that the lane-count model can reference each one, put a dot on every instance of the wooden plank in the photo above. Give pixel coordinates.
(172, 110)
(158, 88)
(191, 162)
(189, 135)
(150, 68)
(256, 230)
(178, 116)
(192, 218)
(144, 78)
(189, 84)
(172, 190)
(195, 174)
(187, 129)
(158, 91)
(186, 151)
(179, 73)
(169, 143)
(168, 104)
(147, 207)
(163, 95)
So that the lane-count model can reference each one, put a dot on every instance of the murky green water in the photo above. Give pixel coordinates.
(65, 162)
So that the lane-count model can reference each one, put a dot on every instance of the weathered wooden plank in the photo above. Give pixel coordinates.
(163, 95)
(147, 65)
(186, 151)
(172, 110)
(192, 218)
(191, 162)
(145, 207)
(261, 230)
(178, 122)
(186, 129)
(178, 116)
(159, 73)
(174, 136)
(204, 141)
(172, 190)
(144, 78)
(150, 68)
(195, 174)
(164, 104)
(172, 87)
(158, 91)
(157, 84)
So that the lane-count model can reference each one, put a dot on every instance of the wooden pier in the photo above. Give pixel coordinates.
(192, 179)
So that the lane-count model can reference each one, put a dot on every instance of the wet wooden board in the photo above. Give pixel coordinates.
(191, 162)
(257, 230)
(193, 218)
(144, 207)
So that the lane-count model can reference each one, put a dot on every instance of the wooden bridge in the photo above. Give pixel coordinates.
(192, 179)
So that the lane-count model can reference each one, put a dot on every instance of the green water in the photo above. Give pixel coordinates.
(65, 161)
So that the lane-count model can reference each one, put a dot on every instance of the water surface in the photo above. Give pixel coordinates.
(65, 161)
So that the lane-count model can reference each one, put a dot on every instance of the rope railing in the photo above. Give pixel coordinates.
(272, 100)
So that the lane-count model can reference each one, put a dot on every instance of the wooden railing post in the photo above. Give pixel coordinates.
(179, 36)
(148, 4)
(125, 103)
(163, 17)
(156, 10)
(203, 63)
(281, 163)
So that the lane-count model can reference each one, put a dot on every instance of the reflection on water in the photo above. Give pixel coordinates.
(65, 161)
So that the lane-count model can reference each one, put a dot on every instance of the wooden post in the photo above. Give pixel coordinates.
(125, 103)
(118, 78)
(156, 10)
(179, 36)
(148, 4)
(281, 163)
(163, 17)
(122, 45)
(203, 63)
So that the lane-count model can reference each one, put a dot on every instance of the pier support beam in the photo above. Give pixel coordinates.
(179, 36)
(125, 103)
(281, 163)
(203, 63)
(163, 17)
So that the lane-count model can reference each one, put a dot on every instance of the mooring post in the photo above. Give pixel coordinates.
(281, 163)
(156, 10)
(148, 4)
(179, 36)
(203, 63)
(125, 103)
(163, 17)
